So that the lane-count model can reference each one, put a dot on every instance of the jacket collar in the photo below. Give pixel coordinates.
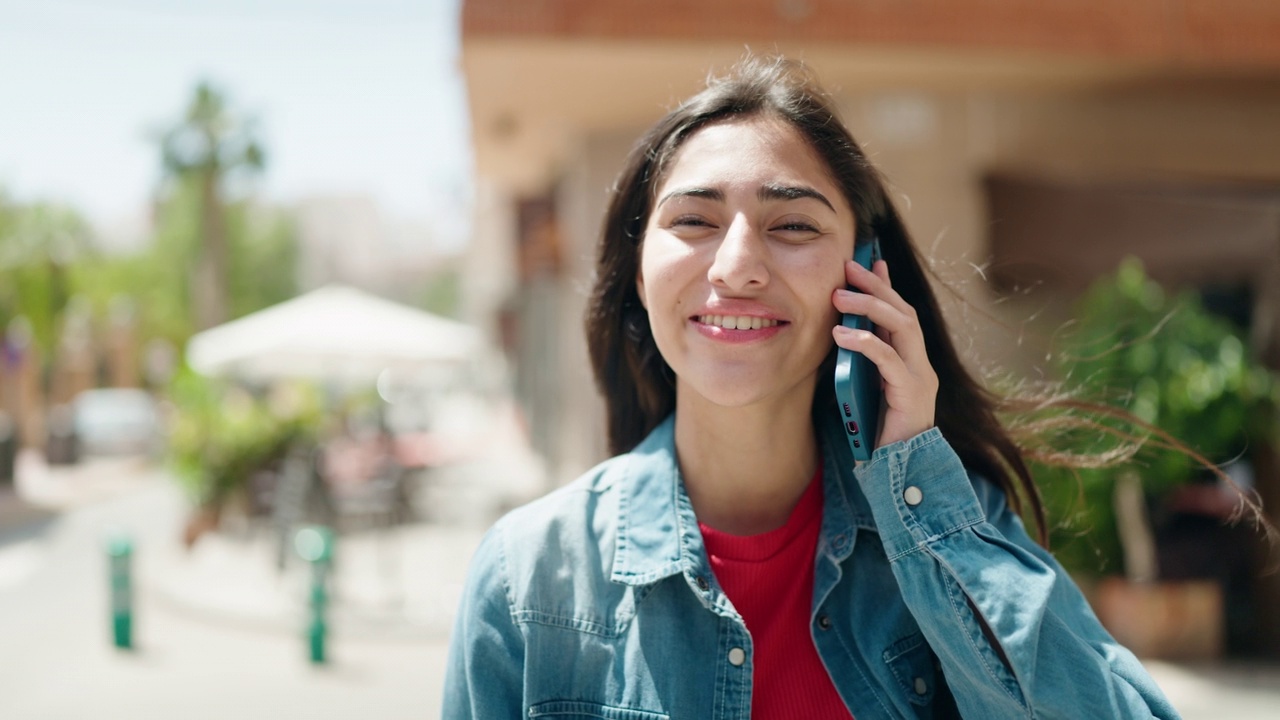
(658, 533)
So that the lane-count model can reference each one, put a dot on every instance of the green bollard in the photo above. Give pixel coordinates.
(120, 554)
(315, 545)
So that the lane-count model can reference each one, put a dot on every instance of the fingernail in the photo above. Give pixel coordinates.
(844, 293)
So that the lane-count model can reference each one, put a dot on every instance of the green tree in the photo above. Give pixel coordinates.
(264, 257)
(441, 292)
(39, 243)
(1175, 366)
(205, 152)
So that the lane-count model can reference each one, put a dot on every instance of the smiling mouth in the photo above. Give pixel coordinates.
(737, 322)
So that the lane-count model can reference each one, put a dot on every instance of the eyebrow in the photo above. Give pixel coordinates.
(696, 192)
(793, 192)
(766, 192)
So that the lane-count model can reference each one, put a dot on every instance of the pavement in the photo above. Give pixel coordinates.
(17, 515)
(397, 583)
(218, 630)
(400, 584)
(395, 594)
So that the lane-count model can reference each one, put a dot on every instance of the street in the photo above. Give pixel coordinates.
(57, 661)
(199, 655)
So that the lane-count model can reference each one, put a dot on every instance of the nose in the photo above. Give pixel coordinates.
(740, 262)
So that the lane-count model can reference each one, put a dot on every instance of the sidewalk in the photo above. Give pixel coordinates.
(51, 489)
(403, 586)
(17, 515)
(397, 584)
(400, 587)
(32, 500)
(1220, 691)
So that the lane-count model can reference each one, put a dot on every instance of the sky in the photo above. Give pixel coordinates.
(352, 97)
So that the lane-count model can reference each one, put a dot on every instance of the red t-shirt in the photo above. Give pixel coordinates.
(769, 579)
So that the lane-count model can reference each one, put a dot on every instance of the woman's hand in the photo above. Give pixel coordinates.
(896, 347)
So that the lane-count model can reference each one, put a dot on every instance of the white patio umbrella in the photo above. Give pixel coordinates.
(335, 333)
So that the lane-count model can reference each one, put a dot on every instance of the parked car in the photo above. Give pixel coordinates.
(117, 421)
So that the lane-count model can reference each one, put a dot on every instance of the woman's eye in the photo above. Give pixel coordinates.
(796, 227)
(690, 221)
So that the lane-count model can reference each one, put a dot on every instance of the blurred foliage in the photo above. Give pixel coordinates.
(222, 435)
(48, 257)
(1170, 363)
(39, 243)
(207, 153)
(217, 257)
(210, 137)
(263, 260)
(442, 293)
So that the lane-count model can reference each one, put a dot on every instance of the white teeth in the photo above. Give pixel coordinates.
(736, 322)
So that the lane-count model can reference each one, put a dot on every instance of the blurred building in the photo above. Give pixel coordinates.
(350, 240)
(1030, 144)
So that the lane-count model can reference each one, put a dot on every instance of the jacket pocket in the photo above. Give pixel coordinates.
(579, 709)
(913, 665)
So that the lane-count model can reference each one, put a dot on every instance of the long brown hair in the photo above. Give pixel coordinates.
(638, 385)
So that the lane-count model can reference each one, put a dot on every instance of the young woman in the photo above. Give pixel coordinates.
(731, 561)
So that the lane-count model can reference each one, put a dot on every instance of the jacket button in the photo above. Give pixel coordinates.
(913, 495)
(737, 656)
(824, 622)
(702, 583)
(921, 687)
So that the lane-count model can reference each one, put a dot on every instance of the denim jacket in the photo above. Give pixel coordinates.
(929, 601)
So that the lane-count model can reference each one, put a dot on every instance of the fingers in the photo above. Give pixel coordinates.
(897, 349)
(888, 311)
(893, 369)
(875, 282)
(910, 393)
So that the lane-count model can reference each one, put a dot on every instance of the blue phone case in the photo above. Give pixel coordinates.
(857, 378)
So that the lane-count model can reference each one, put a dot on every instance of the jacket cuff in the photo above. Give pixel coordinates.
(919, 492)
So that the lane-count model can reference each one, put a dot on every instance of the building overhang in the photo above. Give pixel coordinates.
(543, 72)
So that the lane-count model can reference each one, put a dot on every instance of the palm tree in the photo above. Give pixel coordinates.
(208, 147)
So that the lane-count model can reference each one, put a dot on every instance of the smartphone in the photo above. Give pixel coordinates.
(857, 378)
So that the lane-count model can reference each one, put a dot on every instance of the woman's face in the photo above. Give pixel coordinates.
(745, 244)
